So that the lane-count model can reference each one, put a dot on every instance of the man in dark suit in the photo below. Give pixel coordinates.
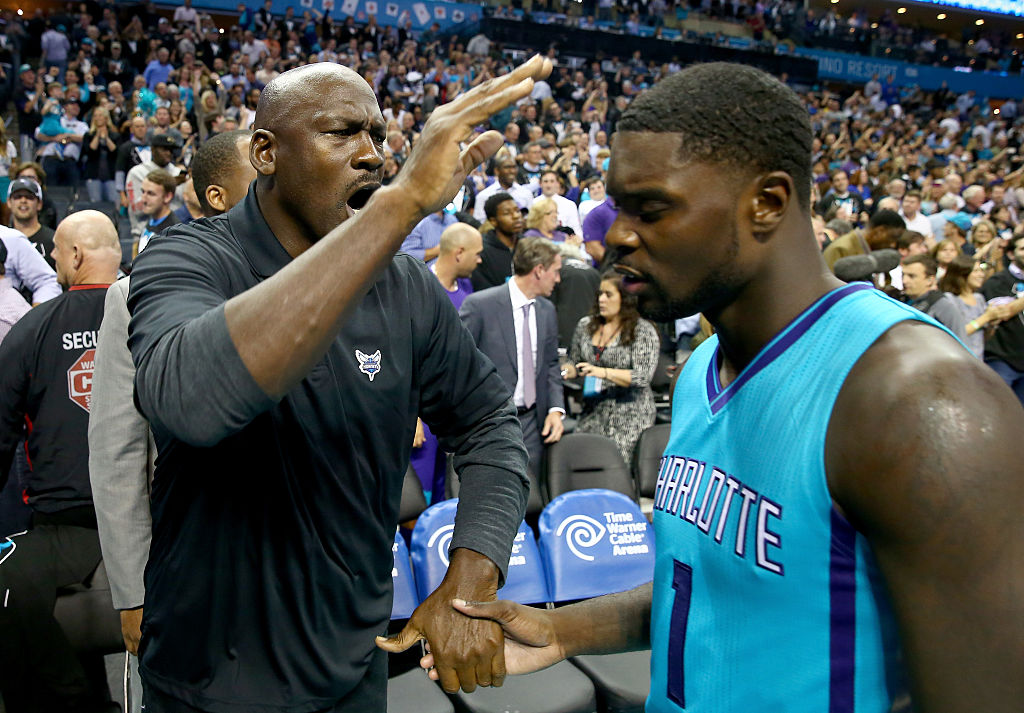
(515, 326)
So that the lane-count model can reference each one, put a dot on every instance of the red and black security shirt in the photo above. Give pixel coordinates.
(46, 365)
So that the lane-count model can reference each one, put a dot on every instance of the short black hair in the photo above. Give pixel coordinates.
(3, 257)
(887, 218)
(733, 115)
(214, 162)
(492, 203)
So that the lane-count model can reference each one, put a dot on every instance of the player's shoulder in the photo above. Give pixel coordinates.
(917, 398)
(914, 355)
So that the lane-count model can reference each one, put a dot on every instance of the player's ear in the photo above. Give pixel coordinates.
(216, 198)
(263, 152)
(773, 193)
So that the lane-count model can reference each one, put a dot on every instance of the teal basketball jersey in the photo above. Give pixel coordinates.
(765, 598)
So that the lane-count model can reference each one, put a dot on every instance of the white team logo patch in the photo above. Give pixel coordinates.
(443, 539)
(581, 531)
(369, 364)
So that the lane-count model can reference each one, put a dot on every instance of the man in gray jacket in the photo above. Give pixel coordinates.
(919, 280)
(121, 446)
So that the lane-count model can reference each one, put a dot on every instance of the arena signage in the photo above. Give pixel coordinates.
(857, 68)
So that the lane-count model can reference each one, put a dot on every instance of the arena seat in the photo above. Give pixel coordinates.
(558, 689)
(647, 461)
(410, 691)
(582, 560)
(586, 460)
(414, 501)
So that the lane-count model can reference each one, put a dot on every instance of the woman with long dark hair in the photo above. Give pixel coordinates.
(618, 352)
(963, 280)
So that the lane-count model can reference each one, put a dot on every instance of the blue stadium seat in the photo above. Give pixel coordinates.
(562, 688)
(405, 601)
(525, 582)
(596, 542)
(411, 691)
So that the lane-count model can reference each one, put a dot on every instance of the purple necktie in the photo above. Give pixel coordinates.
(529, 376)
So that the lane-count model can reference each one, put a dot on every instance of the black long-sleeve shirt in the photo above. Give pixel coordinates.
(270, 564)
(46, 364)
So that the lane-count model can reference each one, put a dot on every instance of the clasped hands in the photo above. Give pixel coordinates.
(465, 652)
(476, 641)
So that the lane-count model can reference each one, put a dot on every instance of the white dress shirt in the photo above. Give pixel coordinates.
(522, 195)
(519, 300)
(568, 214)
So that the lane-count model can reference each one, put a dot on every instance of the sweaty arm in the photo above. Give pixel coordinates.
(923, 458)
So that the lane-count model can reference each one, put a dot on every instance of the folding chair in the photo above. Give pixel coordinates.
(647, 462)
(558, 689)
(586, 460)
(595, 542)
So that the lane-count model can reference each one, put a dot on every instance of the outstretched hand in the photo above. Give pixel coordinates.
(436, 168)
(530, 640)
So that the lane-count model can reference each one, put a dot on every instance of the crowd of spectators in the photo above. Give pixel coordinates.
(104, 94)
(112, 102)
(779, 25)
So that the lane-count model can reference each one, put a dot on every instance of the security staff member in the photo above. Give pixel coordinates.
(45, 384)
(283, 353)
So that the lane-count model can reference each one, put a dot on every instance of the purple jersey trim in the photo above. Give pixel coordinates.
(787, 337)
(843, 617)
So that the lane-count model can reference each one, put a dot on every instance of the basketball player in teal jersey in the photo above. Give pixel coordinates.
(839, 511)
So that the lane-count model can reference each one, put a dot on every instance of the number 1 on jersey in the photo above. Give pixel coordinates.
(682, 583)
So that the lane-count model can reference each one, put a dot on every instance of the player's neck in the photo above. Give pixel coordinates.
(765, 306)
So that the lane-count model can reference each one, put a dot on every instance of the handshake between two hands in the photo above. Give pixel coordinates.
(471, 639)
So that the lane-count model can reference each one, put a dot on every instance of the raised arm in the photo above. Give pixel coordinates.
(284, 324)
